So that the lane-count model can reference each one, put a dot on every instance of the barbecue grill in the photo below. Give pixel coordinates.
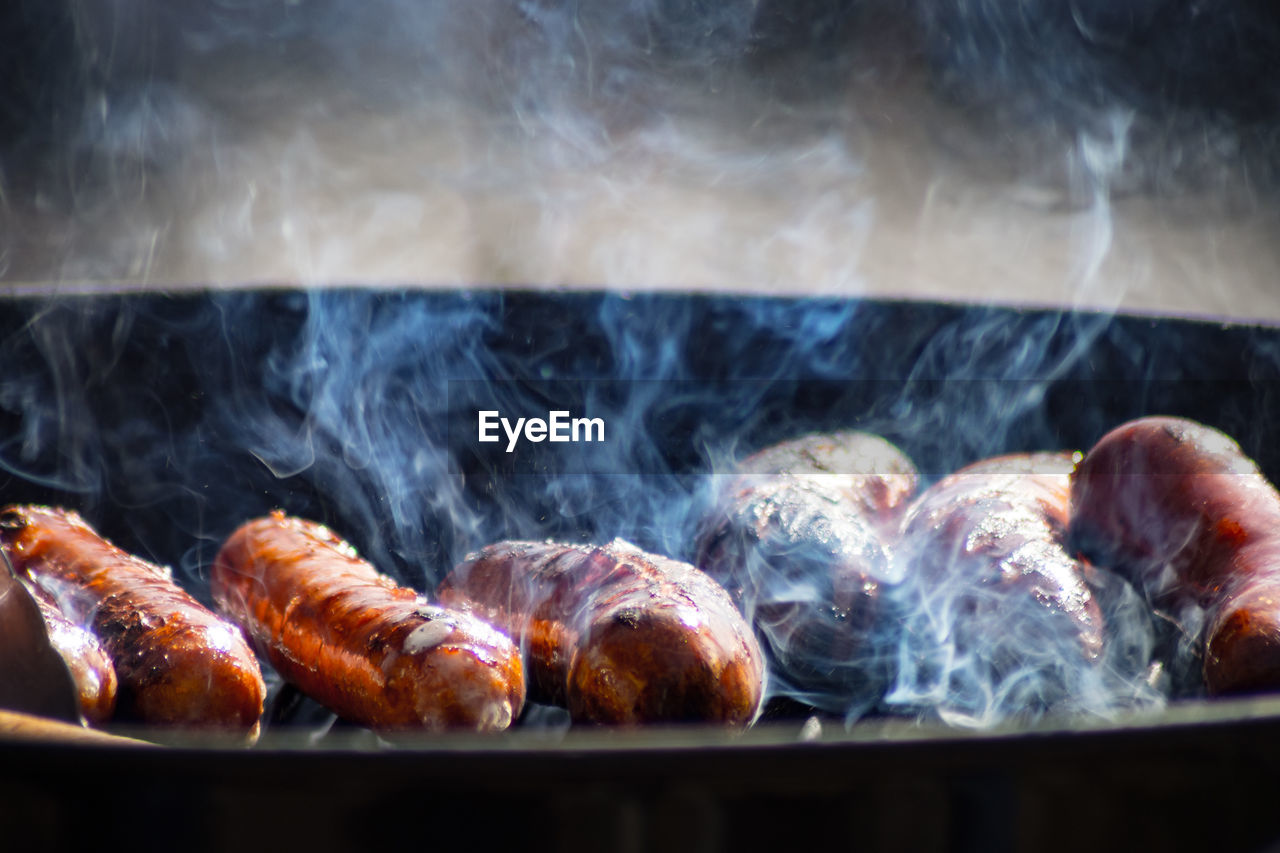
(244, 271)
(1197, 769)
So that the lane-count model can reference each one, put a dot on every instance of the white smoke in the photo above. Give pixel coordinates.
(626, 145)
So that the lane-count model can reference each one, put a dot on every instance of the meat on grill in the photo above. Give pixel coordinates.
(616, 634)
(87, 661)
(178, 664)
(995, 592)
(1178, 508)
(372, 651)
(802, 538)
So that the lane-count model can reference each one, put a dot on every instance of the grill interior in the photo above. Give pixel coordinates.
(169, 419)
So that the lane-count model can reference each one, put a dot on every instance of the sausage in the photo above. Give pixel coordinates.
(866, 472)
(1001, 605)
(1177, 507)
(177, 663)
(87, 661)
(999, 526)
(375, 653)
(618, 635)
(35, 676)
(802, 538)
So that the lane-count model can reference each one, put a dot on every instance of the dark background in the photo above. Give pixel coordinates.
(169, 420)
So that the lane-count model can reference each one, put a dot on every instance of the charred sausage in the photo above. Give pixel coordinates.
(801, 538)
(616, 634)
(178, 664)
(1178, 508)
(1005, 606)
(370, 650)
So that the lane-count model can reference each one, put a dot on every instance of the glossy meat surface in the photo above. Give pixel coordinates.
(1179, 509)
(1005, 605)
(1171, 503)
(869, 473)
(374, 652)
(87, 661)
(999, 527)
(616, 634)
(802, 537)
(178, 664)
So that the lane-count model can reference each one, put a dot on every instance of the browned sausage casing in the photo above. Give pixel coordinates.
(986, 548)
(616, 634)
(374, 652)
(801, 539)
(177, 662)
(90, 666)
(1178, 508)
(874, 477)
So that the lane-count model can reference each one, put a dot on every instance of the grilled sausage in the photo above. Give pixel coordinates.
(90, 666)
(1005, 606)
(374, 652)
(801, 539)
(616, 634)
(868, 474)
(177, 663)
(1178, 508)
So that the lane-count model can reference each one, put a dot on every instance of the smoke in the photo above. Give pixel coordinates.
(169, 421)
(1023, 152)
(998, 619)
(1036, 153)
(1193, 77)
